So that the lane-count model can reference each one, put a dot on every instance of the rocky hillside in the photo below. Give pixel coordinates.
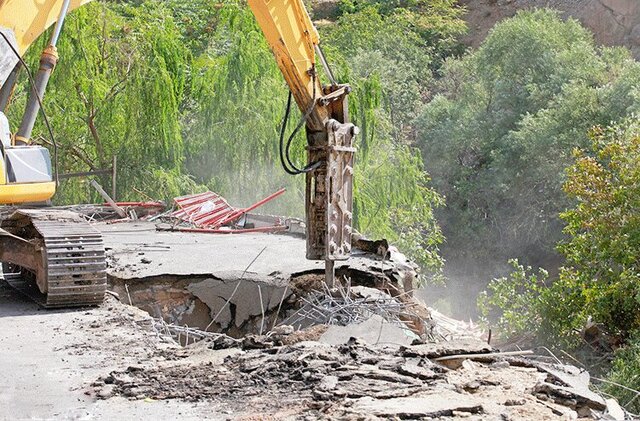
(613, 22)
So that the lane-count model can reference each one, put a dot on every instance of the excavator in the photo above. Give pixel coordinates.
(58, 258)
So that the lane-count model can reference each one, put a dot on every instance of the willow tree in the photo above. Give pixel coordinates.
(232, 133)
(117, 91)
(232, 136)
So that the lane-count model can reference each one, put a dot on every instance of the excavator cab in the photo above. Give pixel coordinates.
(25, 171)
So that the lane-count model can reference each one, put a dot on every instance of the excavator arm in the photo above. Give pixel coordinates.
(294, 42)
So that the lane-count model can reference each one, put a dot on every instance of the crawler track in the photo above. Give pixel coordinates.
(73, 259)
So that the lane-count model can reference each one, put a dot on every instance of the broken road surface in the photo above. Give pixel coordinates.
(48, 357)
(110, 362)
(281, 346)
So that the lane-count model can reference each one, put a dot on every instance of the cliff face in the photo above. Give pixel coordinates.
(613, 22)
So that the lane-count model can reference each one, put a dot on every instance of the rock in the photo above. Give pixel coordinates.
(282, 330)
(472, 386)
(614, 411)
(250, 297)
(256, 342)
(418, 372)
(379, 247)
(514, 402)
(369, 293)
(106, 391)
(500, 365)
(575, 385)
(328, 383)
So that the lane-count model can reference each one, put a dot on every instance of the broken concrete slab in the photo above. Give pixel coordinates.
(191, 278)
(574, 384)
(238, 301)
(352, 380)
(192, 254)
(369, 293)
(374, 331)
(259, 256)
(459, 346)
(444, 403)
(139, 258)
(615, 411)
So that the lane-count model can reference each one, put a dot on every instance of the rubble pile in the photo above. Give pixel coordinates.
(253, 329)
(356, 379)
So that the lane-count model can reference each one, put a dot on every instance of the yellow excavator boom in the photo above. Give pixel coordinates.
(293, 39)
(285, 24)
(28, 19)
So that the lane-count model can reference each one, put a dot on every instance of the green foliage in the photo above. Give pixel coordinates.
(188, 96)
(116, 91)
(196, 20)
(500, 133)
(439, 23)
(233, 132)
(387, 50)
(625, 371)
(600, 281)
(514, 301)
(392, 200)
(604, 228)
(601, 278)
(528, 303)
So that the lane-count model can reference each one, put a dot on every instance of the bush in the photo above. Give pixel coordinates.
(514, 302)
(625, 371)
(604, 228)
(601, 279)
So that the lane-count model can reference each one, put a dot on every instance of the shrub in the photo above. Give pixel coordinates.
(625, 371)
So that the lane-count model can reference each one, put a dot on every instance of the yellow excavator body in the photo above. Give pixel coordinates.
(27, 20)
(26, 192)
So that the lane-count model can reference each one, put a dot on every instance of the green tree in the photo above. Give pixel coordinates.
(604, 229)
(438, 22)
(232, 135)
(498, 136)
(600, 281)
(117, 91)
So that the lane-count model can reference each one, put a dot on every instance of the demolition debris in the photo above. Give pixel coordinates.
(253, 330)
(286, 374)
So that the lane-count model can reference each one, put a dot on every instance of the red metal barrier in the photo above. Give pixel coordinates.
(210, 211)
